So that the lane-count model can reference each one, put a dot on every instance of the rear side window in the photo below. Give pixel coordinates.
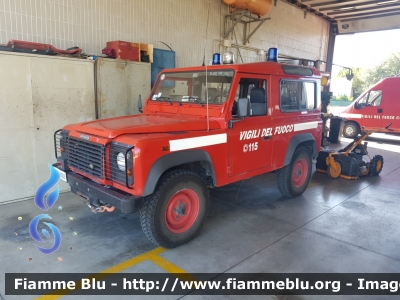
(298, 95)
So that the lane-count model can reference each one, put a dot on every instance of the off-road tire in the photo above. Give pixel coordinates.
(153, 215)
(332, 173)
(351, 130)
(376, 165)
(285, 175)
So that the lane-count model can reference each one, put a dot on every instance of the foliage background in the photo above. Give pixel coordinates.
(364, 78)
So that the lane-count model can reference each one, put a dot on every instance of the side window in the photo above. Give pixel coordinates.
(364, 99)
(255, 90)
(375, 98)
(297, 95)
(309, 101)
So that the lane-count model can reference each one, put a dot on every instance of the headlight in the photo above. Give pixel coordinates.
(121, 161)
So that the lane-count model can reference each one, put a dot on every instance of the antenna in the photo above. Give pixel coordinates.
(204, 59)
(205, 40)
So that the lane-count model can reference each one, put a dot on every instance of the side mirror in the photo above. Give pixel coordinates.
(359, 105)
(139, 103)
(243, 109)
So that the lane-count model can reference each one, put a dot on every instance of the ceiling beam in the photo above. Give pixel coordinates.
(371, 17)
(330, 3)
(338, 12)
(367, 14)
(358, 4)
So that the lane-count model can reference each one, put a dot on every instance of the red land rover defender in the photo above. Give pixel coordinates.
(201, 127)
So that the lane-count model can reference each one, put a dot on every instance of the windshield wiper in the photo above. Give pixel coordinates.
(166, 99)
(195, 99)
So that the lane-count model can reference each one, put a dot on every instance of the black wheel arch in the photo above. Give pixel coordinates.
(196, 160)
(303, 139)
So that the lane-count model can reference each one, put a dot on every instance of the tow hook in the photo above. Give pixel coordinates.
(101, 209)
(98, 209)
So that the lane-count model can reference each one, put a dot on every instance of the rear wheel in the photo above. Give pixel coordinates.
(293, 179)
(176, 211)
(351, 130)
(376, 165)
(334, 171)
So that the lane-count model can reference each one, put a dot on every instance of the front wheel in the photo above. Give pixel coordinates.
(294, 178)
(351, 130)
(376, 165)
(334, 171)
(176, 211)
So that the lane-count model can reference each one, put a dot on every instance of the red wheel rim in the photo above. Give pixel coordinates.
(182, 211)
(300, 172)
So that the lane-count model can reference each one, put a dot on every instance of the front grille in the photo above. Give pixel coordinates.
(86, 157)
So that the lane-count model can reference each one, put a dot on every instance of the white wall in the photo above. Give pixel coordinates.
(179, 23)
(38, 95)
(119, 84)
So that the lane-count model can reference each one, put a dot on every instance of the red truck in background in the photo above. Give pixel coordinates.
(374, 109)
(201, 127)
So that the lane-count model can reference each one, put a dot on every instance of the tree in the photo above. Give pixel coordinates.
(364, 78)
(388, 68)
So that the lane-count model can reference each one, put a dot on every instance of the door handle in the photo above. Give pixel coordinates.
(268, 137)
(380, 110)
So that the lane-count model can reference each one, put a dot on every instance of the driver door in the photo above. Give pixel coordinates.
(371, 109)
(250, 139)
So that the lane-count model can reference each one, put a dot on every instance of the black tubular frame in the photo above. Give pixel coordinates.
(127, 150)
(104, 159)
(55, 142)
(126, 168)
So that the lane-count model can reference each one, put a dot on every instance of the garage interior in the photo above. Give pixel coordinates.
(336, 226)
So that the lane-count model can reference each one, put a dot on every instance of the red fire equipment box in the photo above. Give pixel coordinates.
(125, 50)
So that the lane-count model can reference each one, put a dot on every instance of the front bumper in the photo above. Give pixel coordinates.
(99, 195)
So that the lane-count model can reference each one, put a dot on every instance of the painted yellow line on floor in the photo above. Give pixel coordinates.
(152, 255)
(134, 261)
(173, 269)
(105, 273)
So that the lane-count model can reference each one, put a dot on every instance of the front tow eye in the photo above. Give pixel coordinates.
(96, 209)
(103, 208)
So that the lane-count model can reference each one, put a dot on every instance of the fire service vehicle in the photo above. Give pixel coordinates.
(201, 127)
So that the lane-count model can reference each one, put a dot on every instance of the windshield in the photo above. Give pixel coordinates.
(191, 87)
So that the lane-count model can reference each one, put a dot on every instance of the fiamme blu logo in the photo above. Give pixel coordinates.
(45, 204)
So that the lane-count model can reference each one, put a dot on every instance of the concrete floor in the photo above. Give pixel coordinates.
(335, 226)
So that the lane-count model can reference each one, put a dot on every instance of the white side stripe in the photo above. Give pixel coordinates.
(201, 141)
(305, 126)
(354, 116)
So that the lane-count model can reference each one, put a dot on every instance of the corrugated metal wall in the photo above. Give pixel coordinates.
(179, 23)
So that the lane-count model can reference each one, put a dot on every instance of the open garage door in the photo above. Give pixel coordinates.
(352, 16)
